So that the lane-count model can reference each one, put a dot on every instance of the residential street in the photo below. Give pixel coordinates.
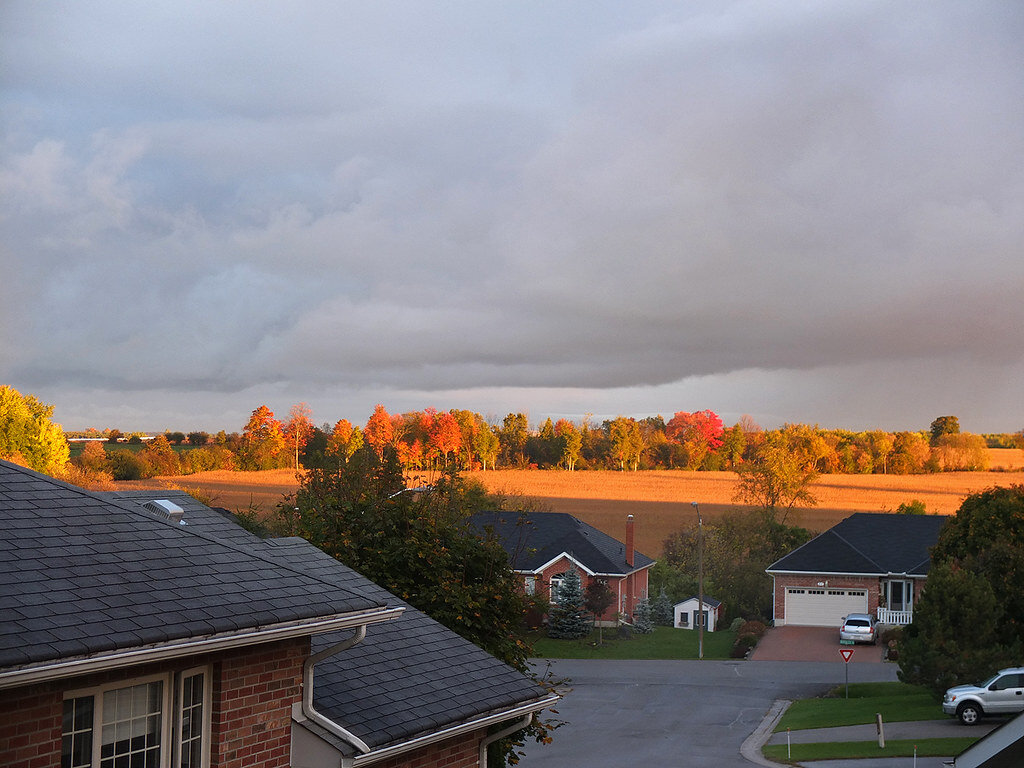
(677, 713)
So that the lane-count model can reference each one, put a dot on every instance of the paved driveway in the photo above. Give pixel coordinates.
(790, 643)
(676, 713)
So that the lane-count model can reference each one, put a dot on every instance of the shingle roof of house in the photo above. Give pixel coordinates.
(868, 543)
(540, 537)
(408, 676)
(84, 574)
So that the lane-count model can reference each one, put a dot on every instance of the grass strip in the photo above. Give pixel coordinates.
(897, 702)
(663, 643)
(846, 750)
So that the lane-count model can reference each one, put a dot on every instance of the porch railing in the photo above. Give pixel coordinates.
(896, 618)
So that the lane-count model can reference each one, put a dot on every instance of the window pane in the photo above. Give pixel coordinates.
(131, 725)
(191, 718)
(76, 741)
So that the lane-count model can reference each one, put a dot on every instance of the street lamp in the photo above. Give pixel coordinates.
(700, 582)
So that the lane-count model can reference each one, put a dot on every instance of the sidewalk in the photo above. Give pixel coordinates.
(924, 729)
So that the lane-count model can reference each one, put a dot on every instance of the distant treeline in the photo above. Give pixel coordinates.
(431, 440)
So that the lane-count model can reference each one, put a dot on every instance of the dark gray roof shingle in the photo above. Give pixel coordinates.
(111, 576)
(869, 543)
(535, 539)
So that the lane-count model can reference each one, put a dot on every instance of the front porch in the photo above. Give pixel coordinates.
(894, 618)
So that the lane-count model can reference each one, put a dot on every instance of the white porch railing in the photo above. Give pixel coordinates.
(895, 618)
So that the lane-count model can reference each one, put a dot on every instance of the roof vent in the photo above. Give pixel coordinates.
(168, 509)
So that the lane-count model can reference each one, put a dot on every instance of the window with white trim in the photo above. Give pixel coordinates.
(162, 721)
(555, 585)
(530, 585)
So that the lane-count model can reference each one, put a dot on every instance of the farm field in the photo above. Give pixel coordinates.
(660, 501)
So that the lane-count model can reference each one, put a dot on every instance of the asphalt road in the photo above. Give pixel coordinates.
(676, 713)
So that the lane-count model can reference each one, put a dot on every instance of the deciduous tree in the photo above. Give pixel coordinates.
(776, 478)
(598, 598)
(944, 425)
(263, 444)
(379, 430)
(27, 434)
(698, 433)
(298, 430)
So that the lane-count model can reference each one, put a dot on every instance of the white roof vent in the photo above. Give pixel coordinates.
(168, 509)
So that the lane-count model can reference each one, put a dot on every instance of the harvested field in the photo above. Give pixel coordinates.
(658, 500)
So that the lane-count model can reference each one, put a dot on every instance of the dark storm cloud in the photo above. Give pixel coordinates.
(719, 205)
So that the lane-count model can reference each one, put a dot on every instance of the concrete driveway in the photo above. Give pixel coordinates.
(677, 713)
(791, 643)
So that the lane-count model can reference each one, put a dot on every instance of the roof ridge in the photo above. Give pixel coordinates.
(854, 548)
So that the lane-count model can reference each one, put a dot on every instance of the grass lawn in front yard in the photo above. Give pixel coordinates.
(897, 702)
(663, 643)
(841, 750)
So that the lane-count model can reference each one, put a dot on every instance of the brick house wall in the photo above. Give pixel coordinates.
(253, 691)
(633, 586)
(461, 752)
(873, 585)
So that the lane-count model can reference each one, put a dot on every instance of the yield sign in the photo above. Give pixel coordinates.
(847, 654)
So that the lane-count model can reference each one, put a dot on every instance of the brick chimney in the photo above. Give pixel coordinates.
(629, 540)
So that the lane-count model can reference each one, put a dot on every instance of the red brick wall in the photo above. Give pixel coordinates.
(634, 586)
(461, 752)
(253, 690)
(252, 701)
(870, 583)
(30, 727)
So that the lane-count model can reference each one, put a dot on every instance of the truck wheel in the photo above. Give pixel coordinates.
(969, 713)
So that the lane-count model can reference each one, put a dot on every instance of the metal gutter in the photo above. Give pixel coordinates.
(486, 742)
(175, 649)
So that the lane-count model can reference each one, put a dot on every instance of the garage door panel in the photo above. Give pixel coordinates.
(823, 607)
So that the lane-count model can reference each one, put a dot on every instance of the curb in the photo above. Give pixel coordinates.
(751, 747)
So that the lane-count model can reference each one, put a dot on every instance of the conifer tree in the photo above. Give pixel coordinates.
(642, 618)
(664, 614)
(568, 619)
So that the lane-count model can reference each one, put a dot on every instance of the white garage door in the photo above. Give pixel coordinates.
(823, 607)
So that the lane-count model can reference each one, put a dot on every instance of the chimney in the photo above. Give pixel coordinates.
(629, 540)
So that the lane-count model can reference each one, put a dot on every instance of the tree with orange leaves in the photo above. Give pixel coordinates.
(299, 429)
(263, 443)
(344, 440)
(445, 435)
(379, 431)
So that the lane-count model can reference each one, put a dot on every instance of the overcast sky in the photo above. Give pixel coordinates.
(802, 211)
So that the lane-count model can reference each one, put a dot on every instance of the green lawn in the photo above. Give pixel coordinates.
(663, 643)
(897, 702)
(860, 749)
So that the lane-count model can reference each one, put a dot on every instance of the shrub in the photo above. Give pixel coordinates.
(755, 628)
(743, 644)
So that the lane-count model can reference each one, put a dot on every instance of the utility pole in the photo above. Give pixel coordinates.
(700, 582)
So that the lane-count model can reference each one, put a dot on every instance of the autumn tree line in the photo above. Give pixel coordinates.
(460, 439)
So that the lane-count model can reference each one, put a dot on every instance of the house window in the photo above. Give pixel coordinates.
(684, 619)
(130, 726)
(530, 585)
(900, 595)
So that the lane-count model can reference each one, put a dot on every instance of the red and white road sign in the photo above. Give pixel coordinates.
(847, 654)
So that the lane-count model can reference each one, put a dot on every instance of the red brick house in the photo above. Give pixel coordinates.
(149, 630)
(868, 563)
(543, 546)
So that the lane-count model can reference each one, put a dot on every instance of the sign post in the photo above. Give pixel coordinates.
(847, 654)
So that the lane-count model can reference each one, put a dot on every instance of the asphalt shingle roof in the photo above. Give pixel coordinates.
(535, 539)
(869, 543)
(81, 573)
(409, 676)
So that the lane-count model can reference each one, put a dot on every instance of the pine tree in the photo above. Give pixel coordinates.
(664, 613)
(642, 623)
(568, 619)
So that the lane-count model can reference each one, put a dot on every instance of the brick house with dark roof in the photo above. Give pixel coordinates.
(543, 546)
(131, 637)
(867, 563)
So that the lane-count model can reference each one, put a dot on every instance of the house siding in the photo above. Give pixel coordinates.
(253, 690)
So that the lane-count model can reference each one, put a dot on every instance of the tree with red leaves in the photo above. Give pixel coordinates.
(379, 430)
(445, 435)
(698, 434)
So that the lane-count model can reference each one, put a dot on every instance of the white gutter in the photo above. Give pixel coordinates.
(517, 726)
(307, 689)
(176, 649)
(448, 733)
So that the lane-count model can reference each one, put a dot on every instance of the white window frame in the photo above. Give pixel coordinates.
(554, 585)
(170, 713)
(530, 585)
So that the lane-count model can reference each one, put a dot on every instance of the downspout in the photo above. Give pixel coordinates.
(516, 726)
(307, 690)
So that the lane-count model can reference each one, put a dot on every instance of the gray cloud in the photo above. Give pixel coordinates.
(745, 207)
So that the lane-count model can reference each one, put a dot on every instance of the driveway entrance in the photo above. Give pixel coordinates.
(791, 643)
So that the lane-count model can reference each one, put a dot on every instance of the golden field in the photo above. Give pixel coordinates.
(660, 501)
